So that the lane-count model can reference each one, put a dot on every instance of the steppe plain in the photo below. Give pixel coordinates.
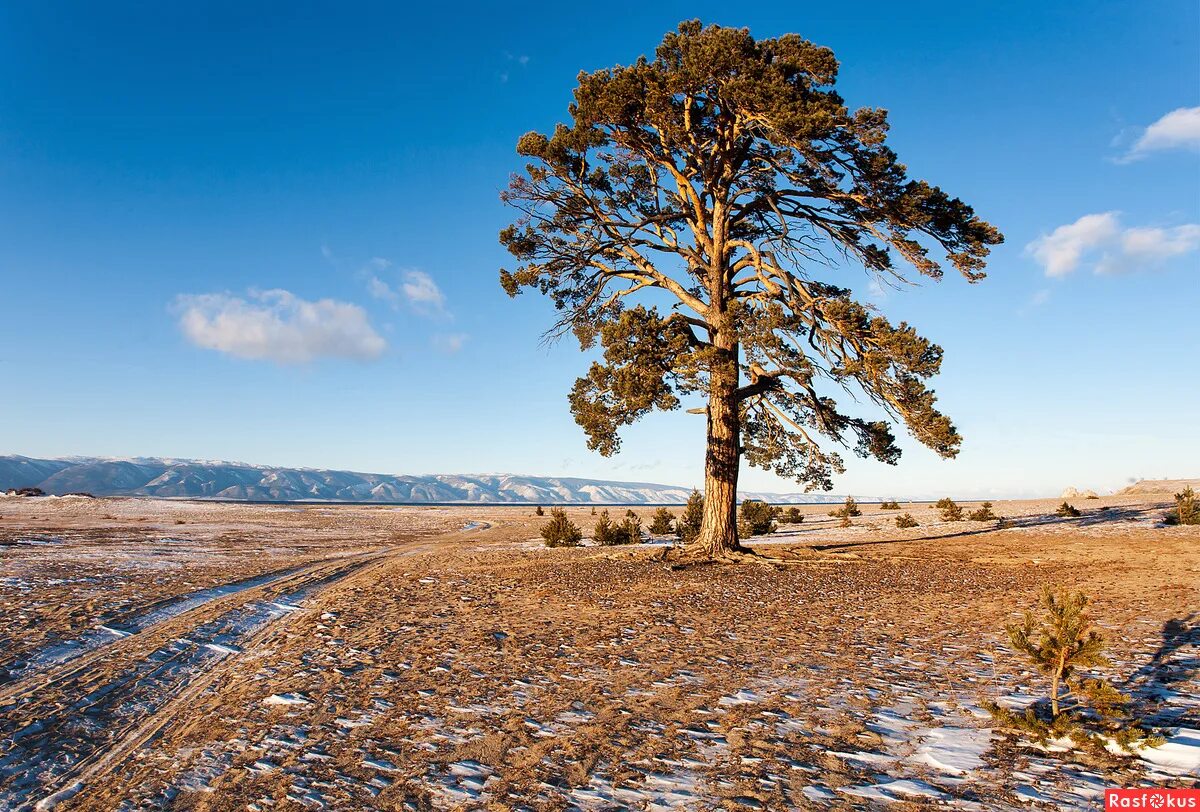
(209, 656)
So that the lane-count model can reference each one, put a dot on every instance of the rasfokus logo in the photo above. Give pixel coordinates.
(1152, 799)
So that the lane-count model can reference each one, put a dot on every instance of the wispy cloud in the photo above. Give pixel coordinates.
(449, 343)
(413, 287)
(422, 292)
(1178, 129)
(276, 325)
(519, 59)
(1100, 241)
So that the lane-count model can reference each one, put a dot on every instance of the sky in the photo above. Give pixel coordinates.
(252, 232)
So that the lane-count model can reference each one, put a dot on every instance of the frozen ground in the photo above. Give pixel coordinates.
(354, 658)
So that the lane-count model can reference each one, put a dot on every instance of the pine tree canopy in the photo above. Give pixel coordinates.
(721, 184)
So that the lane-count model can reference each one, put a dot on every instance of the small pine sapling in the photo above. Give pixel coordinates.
(1186, 510)
(905, 520)
(688, 526)
(1087, 710)
(755, 518)
(1067, 510)
(539, 511)
(848, 509)
(951, 512)
(663, 522)
(561, 531)
(606, 533)
(630, 530)
(793, 516)
(889, 504)
(983, 513)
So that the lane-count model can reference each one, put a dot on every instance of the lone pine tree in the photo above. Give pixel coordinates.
(717, 181)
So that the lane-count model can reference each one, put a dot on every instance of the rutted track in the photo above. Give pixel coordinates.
(69, 723)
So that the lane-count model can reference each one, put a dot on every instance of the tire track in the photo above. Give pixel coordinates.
(63, 727)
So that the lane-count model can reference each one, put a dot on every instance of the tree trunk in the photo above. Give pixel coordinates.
(718, 531)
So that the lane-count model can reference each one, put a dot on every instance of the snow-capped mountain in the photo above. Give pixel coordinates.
(196, 479)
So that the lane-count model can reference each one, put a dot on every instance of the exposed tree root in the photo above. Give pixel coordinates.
(678, 558)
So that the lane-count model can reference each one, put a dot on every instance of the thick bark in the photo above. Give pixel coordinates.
(718, 531)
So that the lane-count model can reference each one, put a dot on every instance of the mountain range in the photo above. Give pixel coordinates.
(235, 481)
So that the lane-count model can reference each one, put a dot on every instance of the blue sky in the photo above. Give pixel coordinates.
(238, 231)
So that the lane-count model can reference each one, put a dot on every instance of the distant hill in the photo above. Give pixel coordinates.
(1169, 487)
(195, 479)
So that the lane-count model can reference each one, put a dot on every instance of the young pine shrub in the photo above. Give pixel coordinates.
(663, 522)
(793, 516)
(951, 512)
(889, 504)
(905, 520)
(605, 531)
(539, 511)
(1186, 510)
(1067, 510)
(983, 513)
(848, 509)
(755, 518)
(630, 529)
(1088, 710)
(687, 527)
(561, 531)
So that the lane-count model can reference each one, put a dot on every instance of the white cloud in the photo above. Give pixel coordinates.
(1178, 129)
(275, 325)
(1061, 250)
(1109, 248)
(422, 292)
(449, 343)
(416, 288)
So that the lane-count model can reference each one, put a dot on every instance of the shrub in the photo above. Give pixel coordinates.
(1088, 710)
(688, 525)
(605, 532)
(848, 509)
(951, 512)
(983, 513)
(593, 510)
(905, 520)
(630, 530)
(889, 504)
(1186, 510)
(1067, 510)
(755, 518)
(539, 511)
(793, 515)
(845, 522)
(663, 522)
(561, 531)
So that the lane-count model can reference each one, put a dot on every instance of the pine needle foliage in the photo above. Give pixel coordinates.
(1061, 643)
(905, 520)
(889, 504)
(630, 529)
(606, 532)
(983, 513)
(561, 531)
(950, 510)
(1186, 510)
(539, 511)
(849, 508)
(662, 523)
(792, 516)
(1068, 511)
(755, 518)
(688, 525)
